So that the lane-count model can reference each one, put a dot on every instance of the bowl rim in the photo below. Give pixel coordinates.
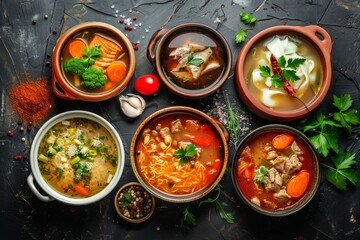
(72, 90)
(47, 187)
(140, 220)
(323, 48)
(185, 198)
(316, 180)
(199, 93)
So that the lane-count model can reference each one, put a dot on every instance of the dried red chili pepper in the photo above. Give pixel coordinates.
(277, 70)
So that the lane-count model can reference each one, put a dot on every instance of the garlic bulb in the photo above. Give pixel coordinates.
(132, 105)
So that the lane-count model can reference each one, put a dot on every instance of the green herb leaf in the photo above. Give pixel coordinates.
(247, 18)
(282, 62)
(93, 52)
(260, 175)
(184, 154)
(325, 140)
(93, 78)
(294, 63)
(264, 71)
(289, 75)
(241, 36)
(196, 62)
(342, 172)
(347, 116)
(127, 199)
(343, 102)
(188, 220)
(276, 81)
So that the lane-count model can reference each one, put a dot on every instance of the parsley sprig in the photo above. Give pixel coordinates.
(288, 71)
(246, 18)
(184, 154)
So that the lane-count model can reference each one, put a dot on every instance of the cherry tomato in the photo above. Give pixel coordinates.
(147, 84)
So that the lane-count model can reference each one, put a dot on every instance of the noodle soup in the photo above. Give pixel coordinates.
(179, 154)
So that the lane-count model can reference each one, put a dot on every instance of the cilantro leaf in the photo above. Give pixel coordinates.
(294, 63)
(196, 62)
(93, 52)
(185, 153)
(276, 81)
(282, 62)
(247, 18)
(241, 36)
(289, 75)
(264, 71)
(343, 102)
(342, 172)
(260, 174)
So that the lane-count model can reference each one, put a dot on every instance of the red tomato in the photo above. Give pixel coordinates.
(147, 84)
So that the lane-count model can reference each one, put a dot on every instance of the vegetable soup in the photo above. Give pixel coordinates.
(179, 154)
(78, 157)
(94, 61)
(283, 72)
(274, 170)
(193, 60)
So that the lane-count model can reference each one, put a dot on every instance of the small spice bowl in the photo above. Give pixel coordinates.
(124, 199)
(318, 41)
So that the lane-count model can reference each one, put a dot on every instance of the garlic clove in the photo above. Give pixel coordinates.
(132, 105)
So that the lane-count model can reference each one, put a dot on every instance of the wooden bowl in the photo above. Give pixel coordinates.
(131, 220)
(222, 133)
(160, 39)
(323, 46)
(64, 89)
(313, 185)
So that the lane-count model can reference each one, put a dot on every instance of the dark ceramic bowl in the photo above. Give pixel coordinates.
(161, 38)
(316, 36)
(313, 185)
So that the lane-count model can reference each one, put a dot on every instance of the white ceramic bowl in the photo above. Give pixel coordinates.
(52, 194)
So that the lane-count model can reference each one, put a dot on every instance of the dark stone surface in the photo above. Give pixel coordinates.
(25, 47)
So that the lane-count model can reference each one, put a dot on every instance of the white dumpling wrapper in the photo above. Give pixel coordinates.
(267, 97)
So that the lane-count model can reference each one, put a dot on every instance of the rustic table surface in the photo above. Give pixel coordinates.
(26, 47)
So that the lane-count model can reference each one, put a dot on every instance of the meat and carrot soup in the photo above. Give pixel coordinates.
(193, 60)
(179, 154)
(274, 170)
(283, 72)
(94, 61)
(78, 157)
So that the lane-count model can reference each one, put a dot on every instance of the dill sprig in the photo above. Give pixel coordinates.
(232, 120)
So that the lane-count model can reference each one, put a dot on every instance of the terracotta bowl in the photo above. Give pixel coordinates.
(161, 38)
(131, 220)
(316, 36)
(313, 184)
(222, 133)
(64, 89)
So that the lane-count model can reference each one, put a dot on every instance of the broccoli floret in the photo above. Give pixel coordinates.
(75, 65)
(93, 78)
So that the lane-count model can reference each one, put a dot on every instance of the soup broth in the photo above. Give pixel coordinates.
(269, 170)
(78, 157)
(158, 158)
(112, 61)
(273, 93)
(193, 60)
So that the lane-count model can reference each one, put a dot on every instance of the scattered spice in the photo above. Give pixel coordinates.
(29, 128)
(121, 20)
(135, 202)
(21, 129)
(46, 17)
(134, 18)
(10, 133)
(18, 157)
(136, 46)
(23, 139)
(32, 100)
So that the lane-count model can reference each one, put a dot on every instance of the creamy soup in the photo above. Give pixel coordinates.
(78, 157)
(283, 72)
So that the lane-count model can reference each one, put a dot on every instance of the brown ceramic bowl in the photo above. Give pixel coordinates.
(222, 133)
(160, 39)
(316, 36)
(116, 204)
(64, 89)
(313, 185)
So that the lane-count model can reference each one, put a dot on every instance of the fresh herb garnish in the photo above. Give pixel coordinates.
(184, 154)
(187, 220)
(92, 77)
(276, 80)
(59, 173)
(127, 199)
(232, 120)
(260, 175)
(346, 117)
(219, 205)
(342, 172)
(241, 35)
(195, 61)
(247, 18)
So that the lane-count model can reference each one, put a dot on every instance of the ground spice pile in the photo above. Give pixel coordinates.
(32, 100)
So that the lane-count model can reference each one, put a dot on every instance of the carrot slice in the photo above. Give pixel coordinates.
(203, 141)
(297, 186)
(282, 141)
(81, 190)
(76, 48)
(116, 71)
